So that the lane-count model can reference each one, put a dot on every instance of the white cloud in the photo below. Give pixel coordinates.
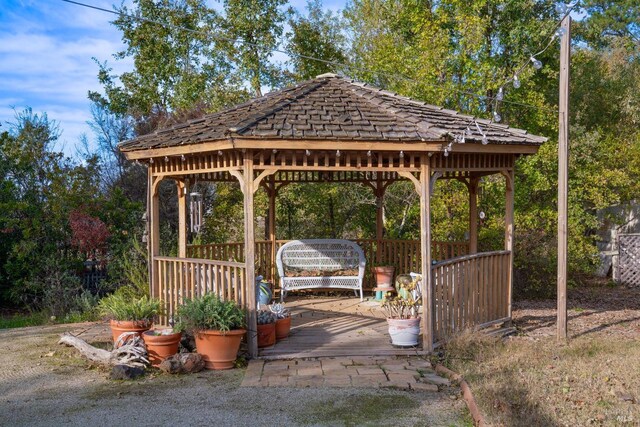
(46, 52)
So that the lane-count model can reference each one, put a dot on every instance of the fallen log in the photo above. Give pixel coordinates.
(129, 350)
(90, 352)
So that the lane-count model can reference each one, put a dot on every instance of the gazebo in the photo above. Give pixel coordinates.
(332, 129)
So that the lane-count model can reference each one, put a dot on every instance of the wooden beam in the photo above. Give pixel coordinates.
(425, 250)
(380, 189)
(272, 192)
(182, 218)
(250, 252)
(473, 214)
(563, 176)
(310, 144)
(260, 177)
(154, 234)
(432, 181)
(417, 183)
(508, 234)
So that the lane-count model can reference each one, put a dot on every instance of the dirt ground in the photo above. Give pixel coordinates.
(609, 311)
(44, 384)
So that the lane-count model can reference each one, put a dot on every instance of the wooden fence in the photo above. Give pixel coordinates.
(185, 278)
(470, 291)
(404, 255)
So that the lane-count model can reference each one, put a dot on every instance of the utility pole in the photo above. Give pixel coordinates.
(563, 175)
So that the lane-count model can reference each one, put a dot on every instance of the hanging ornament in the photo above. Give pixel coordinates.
(516, 82)
(561, 8)
(500, 95)
(195, 211)
(537, 64)
(482, 215)
(485, 141)
(497, 117)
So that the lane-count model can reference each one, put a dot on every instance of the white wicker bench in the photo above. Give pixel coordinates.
(320, 263)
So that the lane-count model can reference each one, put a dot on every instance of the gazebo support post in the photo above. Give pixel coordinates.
(508, 233)
(379, 193)
(182, 218)
(473, 215)
(154, 233)
(425, 251)
(250, 254)
(272, 193)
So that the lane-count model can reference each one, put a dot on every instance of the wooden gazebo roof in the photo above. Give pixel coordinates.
(331, 109)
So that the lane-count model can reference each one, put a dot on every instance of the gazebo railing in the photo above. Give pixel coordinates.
(470, 291)
(185, 278)
(404, 255)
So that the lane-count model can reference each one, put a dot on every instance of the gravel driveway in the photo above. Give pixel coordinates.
(44, 384)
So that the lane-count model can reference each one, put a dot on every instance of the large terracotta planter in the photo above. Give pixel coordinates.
(283, 327)
(404, 332)
(161, 346)
(119, 327)
(219, 349)
(266, 335)
(384, 277)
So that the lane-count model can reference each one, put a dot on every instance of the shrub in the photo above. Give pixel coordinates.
(210, 312)
(121, 305)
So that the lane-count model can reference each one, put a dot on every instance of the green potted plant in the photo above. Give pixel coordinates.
(218, 327)
(402, 316)
(161, 343)
(266, 328)
(128, 313)
(283, 320)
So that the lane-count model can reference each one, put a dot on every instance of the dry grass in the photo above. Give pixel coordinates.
(591, 380)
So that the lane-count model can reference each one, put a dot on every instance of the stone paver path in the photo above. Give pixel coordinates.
(408, 373)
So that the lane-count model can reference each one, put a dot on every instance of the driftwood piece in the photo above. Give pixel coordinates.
(130, 350)
(90, 352)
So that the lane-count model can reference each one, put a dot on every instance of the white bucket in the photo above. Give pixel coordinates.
(404, 332)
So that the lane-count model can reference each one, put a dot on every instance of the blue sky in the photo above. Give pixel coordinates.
(46, 50)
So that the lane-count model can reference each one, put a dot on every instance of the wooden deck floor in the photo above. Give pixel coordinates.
(335, 326)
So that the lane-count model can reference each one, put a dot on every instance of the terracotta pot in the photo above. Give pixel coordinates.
(404, 332)
(219, 349)
(283, 326)
(384, 277)
(161, 346)
(266, 335)
(121, 326)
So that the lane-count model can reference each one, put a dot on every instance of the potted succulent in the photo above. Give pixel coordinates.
(218, 327)
(283, 320)
(161, 343)
(128, 313)
(402, 316)
(266, 328)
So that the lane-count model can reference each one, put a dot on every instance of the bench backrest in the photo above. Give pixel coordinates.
(320, 255)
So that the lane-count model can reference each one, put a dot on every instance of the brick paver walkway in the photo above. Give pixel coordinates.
(409, 373)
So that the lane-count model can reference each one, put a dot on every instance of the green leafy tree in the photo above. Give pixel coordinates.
(254, 28)
(317, 35)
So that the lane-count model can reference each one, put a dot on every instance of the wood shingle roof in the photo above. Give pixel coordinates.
(331, 107)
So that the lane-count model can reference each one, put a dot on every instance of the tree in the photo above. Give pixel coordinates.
(317, 35)
(255, 28)
(180, 69)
